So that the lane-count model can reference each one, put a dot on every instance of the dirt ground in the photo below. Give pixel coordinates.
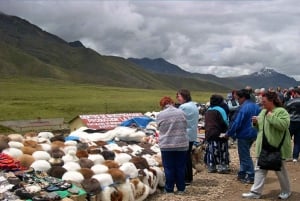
(225, 187)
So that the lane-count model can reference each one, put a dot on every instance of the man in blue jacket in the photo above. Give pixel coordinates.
(241, 129)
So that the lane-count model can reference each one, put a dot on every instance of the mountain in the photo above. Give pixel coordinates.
(27, 50)
(76, 44)
(266, 77)
(161, 66)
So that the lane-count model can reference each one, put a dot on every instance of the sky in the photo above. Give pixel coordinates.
(224, 37)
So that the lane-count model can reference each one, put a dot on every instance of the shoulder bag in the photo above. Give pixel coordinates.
(270, 156)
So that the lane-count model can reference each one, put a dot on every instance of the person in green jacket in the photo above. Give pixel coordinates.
(275, 121)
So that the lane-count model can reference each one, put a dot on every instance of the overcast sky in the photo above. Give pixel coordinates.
(224, 38)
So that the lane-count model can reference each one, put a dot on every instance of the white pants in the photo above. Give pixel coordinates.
(260, 176)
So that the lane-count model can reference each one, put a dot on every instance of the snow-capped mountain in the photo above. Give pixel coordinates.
(267, 77)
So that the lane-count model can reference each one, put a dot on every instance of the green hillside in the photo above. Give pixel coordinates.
(28, 51)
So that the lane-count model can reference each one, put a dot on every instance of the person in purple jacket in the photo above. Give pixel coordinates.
(241, 128)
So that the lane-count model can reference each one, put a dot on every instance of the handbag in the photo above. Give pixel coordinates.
(270, 156)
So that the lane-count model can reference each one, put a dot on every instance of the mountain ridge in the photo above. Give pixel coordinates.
(59, 59)
(255, 80)
(27, 50)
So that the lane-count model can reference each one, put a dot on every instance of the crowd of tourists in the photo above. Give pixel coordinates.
(245, 116)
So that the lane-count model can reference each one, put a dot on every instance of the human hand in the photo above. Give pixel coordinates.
(223, 135)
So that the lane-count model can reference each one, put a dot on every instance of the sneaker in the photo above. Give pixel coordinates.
(284, 196)
(188, 183)
(211, 169)
(251, 195)
(168, 192)
(295, 160)
(180, 192)
(223, 169)
(247, 181)
(241, 177)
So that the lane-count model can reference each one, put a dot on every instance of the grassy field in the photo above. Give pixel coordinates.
(23, 99)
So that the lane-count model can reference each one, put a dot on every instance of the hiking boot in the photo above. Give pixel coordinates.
(251, 195)
(284, 196)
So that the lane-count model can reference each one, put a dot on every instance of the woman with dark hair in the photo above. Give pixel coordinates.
(192, 115)
(173, 143)
(293, 108)
(216, 122)
(240, 128)
(273, 122)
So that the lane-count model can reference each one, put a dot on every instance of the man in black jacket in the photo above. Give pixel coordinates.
(293, 108)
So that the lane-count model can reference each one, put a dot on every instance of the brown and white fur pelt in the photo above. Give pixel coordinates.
(30, 135)
(70, 156)
(140, 162)
(41, 165)
(73, 176)
(87, 173)
(160, 175)
(91, 186)
(129, 169)
(109, 191)
(15, 144)
(150, 178)
(45, 147)
(140, 190)
(85, 163)
(99, 169)
(71, 166)
(128, 134)
(46, 135)
(151, 160)
(56, 171)
(96, 158)
(122, 158)
(121, 183)
(4, 138)
(104, 179)
(118, 175)
(110, 194)
(58, 145)
(13, 152)
(126, 190)
(111, 164)
(26, 160)
(93, 137)
(16, 137)
(41, 155)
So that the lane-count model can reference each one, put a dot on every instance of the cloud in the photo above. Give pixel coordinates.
(225, 38)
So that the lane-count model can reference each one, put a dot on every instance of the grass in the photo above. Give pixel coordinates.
(23, 99)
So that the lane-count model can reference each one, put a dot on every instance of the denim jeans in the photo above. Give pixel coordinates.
(246, 162)
(295, 131)
(174, 163)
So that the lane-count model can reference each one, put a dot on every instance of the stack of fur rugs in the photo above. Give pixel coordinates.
(36, 166)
